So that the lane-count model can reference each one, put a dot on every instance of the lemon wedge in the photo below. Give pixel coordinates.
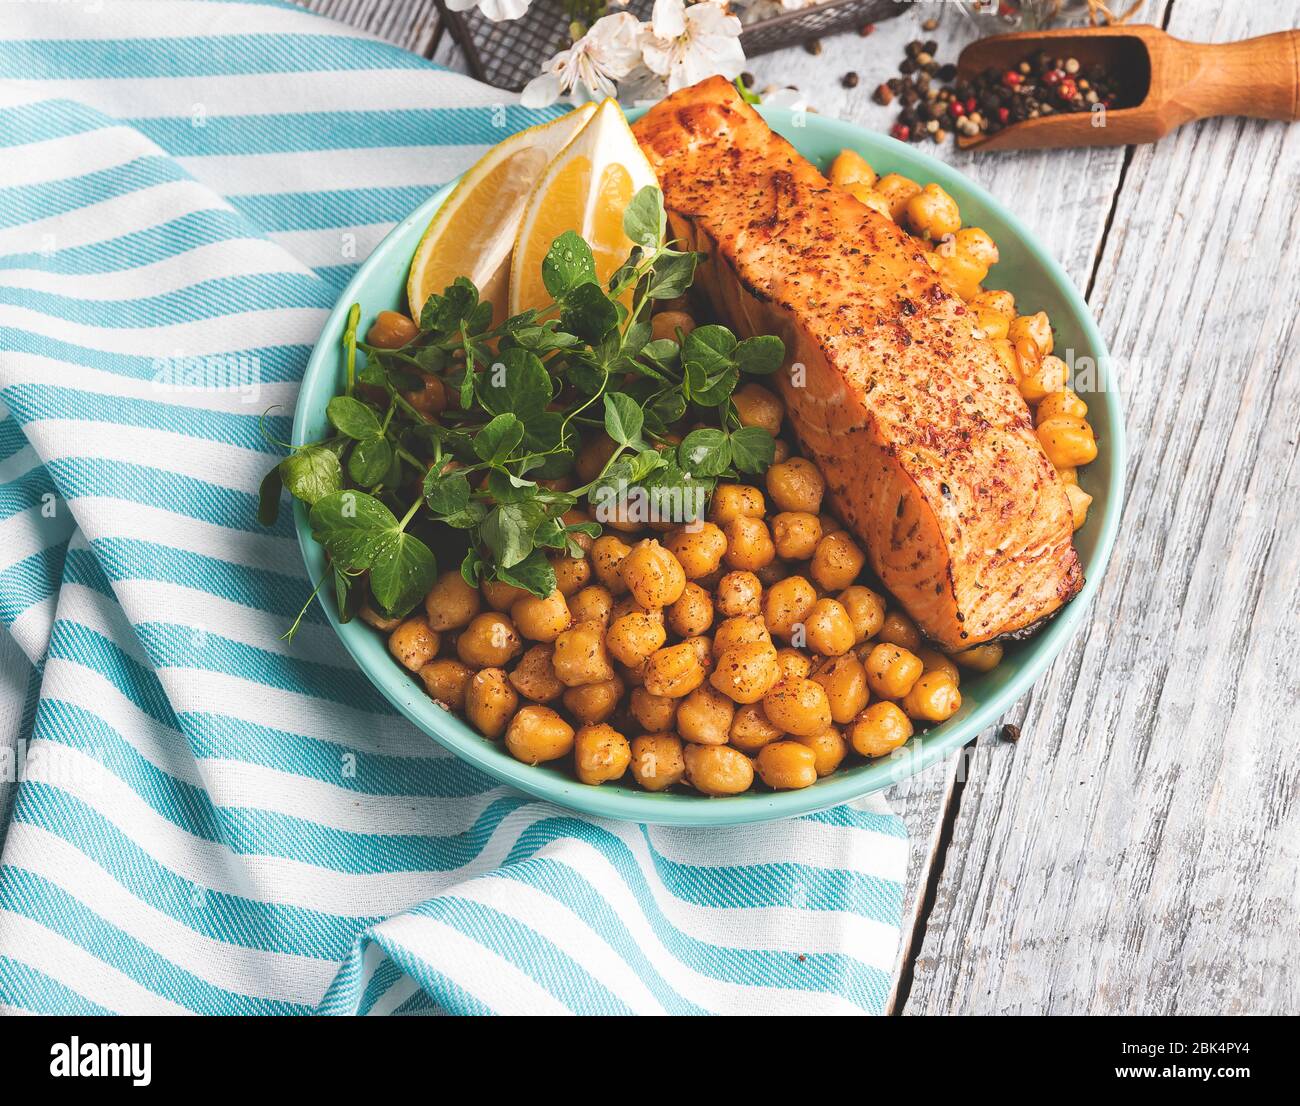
(584, 189)
(473, 232)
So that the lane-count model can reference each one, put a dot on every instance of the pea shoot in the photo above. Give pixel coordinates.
(393, 482)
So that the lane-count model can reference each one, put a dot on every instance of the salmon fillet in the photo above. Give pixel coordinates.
(927, 447)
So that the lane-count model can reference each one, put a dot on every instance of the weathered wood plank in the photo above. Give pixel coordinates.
(411, 24)
(1063, 196)
(1137, 851)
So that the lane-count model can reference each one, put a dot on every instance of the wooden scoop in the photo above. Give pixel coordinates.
(1167, 82)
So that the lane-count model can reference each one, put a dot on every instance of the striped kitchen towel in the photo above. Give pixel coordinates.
(208, 819)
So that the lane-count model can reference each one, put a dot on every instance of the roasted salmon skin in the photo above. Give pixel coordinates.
(927, 447)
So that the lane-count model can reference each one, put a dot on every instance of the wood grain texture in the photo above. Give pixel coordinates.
(1137, 851)
(411, 24)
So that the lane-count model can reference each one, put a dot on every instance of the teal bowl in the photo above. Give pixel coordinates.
(1025, 269)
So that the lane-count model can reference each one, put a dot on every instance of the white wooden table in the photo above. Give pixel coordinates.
(1137, 851)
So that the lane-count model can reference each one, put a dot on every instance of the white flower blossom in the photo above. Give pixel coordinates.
(495, 10)
(687, 44)
(605, 54)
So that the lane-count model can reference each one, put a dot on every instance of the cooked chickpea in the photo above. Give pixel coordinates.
(600, 753)
(796, 485)
(542, 619)
(934, 661)
(757, 406)
(655, 713)
(372, 617)
(749, 544)
(830, 524)
(413, 643)
(797, 706)
(780, 451)
(770, 573)
(828, 748)
(657, 761)
(703, 646)
(873, 200)
(538, 734)
(451, 602)
(845, 681)
(896, 190)
(793, 663)
(718, 769)
(501, 596)
(991, 324)
(629, 605)
(1001, 302)
(674, 671)
(392, 330)
(892, 670)
(580, 656)
(837, 561)
(898, 629)
(734, 500)
(829, 629)
(880, 729)
(980, 658)
(704, 716)
(1068, 476)
(787, 605)
(751, 729)
(933, 698)
(490, 702)
(787, 765)
(1080, 501)
(534, 676)
(739, 630)
(572, 574)
(447, 681)
(962, 274)
(698, 549)
(633, 675)
(796, 534)
(591, 604)
(849, 168)
(591, 703)
(976, 244)
(739, 593)
(746, 672)
(1036, 327)
(592, 457)
(430, 398)
(933, 213)
(653, 575)
(1051, 375)
(692, 614)
(1062, 404)
(1067, 442)
(633, 637)
(866, 611)
(607, 555)
(666, 324)
(489, 641)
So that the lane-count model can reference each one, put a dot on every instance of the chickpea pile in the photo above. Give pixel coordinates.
(703, 655)
(962, 256)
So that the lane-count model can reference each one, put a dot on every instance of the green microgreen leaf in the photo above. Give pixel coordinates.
(496, 441)
(752, 449)
(352, 417)
(311, 472)
(623, 418)
(567, 264)
(761, 355)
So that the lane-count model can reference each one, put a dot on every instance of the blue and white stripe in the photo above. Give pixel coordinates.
(212, 820)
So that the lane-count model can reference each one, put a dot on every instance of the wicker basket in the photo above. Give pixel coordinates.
(509, 54)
